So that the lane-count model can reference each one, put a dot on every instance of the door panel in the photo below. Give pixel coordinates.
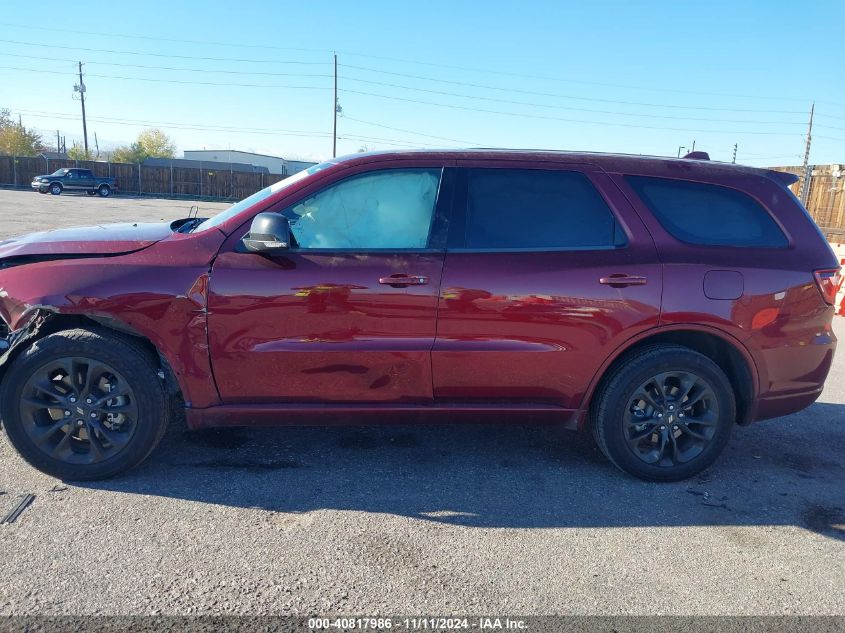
(350, 320)
(534, 326)
(321, 328)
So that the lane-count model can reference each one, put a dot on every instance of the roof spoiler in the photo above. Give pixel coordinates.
(783, 177)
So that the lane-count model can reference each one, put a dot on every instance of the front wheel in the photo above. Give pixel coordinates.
(84, 404)
(91, 192)
(664, 414)
(104, 191)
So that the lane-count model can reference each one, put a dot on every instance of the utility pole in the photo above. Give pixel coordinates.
(805, 186)
(96, 145)
(58, 142)
(334, 108)
(733, 160)
(81, 90)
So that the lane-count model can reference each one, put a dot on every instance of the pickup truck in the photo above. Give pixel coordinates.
(74, 180)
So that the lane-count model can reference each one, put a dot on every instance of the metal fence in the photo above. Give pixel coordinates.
(145, 180)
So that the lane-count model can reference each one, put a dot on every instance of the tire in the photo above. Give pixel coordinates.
(665, 435)
(104, 191)
(56, 188)
(64, 445)
(42, 189)
(91, 192)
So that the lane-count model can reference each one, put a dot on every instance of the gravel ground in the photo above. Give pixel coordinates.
(413, 519)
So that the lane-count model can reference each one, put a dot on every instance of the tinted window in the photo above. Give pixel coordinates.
(708, 214)
(537, 209)
(384, 209)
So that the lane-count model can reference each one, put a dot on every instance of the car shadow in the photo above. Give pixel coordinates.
(788, 471)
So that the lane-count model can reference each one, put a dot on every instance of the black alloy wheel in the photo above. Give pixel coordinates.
(671, 418)
(79, 410)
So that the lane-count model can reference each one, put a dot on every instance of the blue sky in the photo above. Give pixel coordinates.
(635, 77)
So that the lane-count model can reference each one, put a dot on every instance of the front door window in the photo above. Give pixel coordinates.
(389, 209)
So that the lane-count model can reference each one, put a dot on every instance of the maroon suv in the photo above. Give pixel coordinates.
(656, 302)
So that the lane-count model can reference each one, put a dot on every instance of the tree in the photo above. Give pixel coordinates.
(17, 140)
(151, 143)
(77, 152)
(154, 143)
(126, 154)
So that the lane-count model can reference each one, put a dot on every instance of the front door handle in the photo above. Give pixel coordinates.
(403, 281)
(621, 280)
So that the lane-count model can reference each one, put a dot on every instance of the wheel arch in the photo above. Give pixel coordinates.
(59, 321)
(725, 350)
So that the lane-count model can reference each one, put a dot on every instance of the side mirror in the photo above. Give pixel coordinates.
(269, 234)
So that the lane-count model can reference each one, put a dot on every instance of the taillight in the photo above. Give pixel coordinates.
(828, 281)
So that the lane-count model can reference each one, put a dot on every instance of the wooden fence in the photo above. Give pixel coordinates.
(146, 180)
(826, 200)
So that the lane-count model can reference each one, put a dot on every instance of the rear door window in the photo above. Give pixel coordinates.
(533, 209)
(708, 215)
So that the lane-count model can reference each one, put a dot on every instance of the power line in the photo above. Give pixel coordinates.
(566, 120)
(521, 75)
(164, 39)
(437, 92)
(167, 55)
(191, 70)
(564, 96)
(236, 130)
(176, 81)
(561, 107)
(173, 125)
(399, 129)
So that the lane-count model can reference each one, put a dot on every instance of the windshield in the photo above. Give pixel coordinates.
(258, 196)
(59, 172)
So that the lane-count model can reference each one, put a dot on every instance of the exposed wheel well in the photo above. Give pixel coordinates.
(60, 322)
(719, 350)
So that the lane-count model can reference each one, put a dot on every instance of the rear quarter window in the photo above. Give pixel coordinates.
(708, 215)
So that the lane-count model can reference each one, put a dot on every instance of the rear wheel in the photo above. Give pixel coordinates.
(104, 191)
(84, 404)
(56, 188)
(664, 414)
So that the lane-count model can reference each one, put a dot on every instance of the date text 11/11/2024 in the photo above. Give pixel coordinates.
(417, 624)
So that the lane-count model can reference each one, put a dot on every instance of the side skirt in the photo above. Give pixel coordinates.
(298, 414)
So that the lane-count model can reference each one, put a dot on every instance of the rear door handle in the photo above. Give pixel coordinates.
(402, 281)
(620, 280)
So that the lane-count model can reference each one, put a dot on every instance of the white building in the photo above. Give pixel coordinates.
(275, 164)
